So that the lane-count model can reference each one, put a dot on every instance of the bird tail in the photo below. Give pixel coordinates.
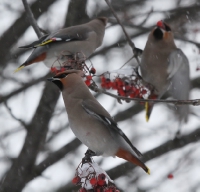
(131, 158)
(148, 109)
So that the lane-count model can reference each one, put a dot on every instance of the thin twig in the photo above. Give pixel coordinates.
(131, 44)
(4, 98)
(32, 19)
(195, 102)
(13, 116)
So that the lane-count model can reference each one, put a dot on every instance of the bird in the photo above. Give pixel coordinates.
(166, 68)
(53, 48)
(91, 123)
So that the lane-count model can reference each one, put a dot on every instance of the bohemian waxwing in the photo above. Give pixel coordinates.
(81, 39)
(91, 123)
(166, 68)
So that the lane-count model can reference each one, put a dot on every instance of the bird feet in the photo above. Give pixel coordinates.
(88, 154)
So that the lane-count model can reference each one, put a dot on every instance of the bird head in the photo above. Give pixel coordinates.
(162, 31)
(59, 78)
(103, 19)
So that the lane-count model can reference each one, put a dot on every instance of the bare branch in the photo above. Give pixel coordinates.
(26, 86)
(55, 157)
(131, 44)
(195, 102)
(32, 19)
(36, 135)
(13, 116)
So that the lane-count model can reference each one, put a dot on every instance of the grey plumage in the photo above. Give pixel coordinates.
(91, 123)
(166, 67)
(81, 39)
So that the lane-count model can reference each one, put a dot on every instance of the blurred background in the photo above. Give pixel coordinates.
(38, 151)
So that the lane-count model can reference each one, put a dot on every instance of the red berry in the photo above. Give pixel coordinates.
(62, 69)
(103, 85)
(93, 181)
(132, 95)
(153, 96)
(170, 176)
(93, 70)
(143, 91)
(76, 180)
(114, 85)
(101, 176)
(98, 190)
(137, 92)
(111, 189)
(108, 84)
(101, 182)
(82, 190)
(103, 79)
(53, 70)
(87, 82)
(118, 82)
(127, 87)
(89, 77)
(121, 92)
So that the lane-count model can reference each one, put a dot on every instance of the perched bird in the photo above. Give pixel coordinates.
(91, 123)
(53, 48)
(166, 68)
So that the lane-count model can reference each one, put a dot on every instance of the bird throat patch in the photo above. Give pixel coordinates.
(158, 34)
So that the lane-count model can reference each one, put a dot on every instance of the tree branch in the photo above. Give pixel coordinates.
(23, 166)
(55, 157)
(195, 102)
(131, 44)
(32, 19)
(26, 86)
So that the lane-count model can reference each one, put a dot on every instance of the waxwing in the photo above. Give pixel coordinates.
(91, 123)
(166, 68)
(76, 41)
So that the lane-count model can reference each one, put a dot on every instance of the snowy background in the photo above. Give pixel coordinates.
(20, 94)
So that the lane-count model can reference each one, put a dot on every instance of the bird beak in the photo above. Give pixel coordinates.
(52, 79)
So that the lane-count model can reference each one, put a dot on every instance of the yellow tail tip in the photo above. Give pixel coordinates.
(19, 68)
(147, 111)
(148, 171)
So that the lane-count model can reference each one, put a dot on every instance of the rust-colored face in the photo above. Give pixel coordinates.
(59, 78)
(163, 25)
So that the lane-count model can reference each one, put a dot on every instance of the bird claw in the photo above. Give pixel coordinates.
(87, 159)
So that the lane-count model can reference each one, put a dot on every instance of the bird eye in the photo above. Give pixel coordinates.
(63, 75)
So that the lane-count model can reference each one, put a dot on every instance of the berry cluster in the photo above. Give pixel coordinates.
(98, 183)
(89, 80)
(126, 87)
(57, 70)
(93, 178)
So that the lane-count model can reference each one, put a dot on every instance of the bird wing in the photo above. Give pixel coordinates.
(35, 43)
(177, 61)
(179, 74)
(75, 33)
(179, 80)
(98, 112)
